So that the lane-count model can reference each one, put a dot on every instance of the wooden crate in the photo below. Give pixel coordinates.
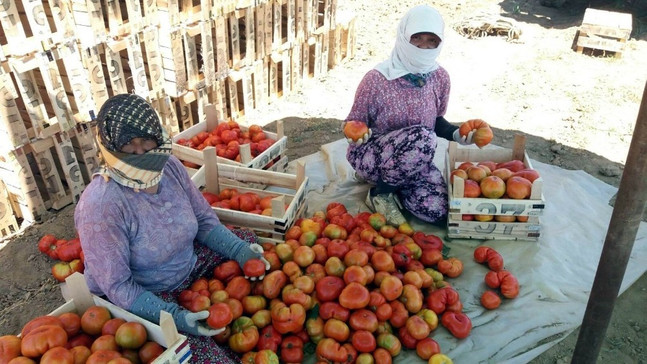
(34, 26)
(88, 22)
(342, 41)
(21, 184)
(127, 16)
(604, 30)
(459, 205)
(13, 133)
(242, 37)
(49, 173)
(78, 299)
(54, 90)
(196, 156)
(8, 223)
(289, 189)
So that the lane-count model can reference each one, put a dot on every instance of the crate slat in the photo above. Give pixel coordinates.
(21, 184)
(13, 133)
(8, 223)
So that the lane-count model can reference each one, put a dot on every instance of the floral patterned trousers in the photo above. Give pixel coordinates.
(404, 159)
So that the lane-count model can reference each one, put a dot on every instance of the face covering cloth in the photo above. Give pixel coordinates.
(407, 58)
(122, 118)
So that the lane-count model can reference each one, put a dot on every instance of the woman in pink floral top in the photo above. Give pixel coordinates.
(403, 101)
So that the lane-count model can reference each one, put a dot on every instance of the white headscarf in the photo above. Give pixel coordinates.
(407, 58)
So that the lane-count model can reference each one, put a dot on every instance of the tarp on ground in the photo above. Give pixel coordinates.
(555, 273)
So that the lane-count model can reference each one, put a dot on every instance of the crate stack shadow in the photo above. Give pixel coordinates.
(61, 60)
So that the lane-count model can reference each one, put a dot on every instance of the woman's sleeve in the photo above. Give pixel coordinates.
(207, 218)
(444, 129)
(101, 226)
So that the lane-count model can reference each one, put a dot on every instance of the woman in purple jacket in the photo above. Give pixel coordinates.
(403, 101)
(146, 230)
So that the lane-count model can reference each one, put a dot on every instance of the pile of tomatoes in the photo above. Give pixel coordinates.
(227, 138)
(93, 337)
(348, 289)
(68, 252)
(233, 199)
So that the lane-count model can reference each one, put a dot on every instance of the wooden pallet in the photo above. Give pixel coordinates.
(604, 30)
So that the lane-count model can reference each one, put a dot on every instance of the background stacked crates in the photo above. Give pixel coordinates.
(60, 60)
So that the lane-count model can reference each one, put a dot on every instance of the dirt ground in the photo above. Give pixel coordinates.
(577, 111)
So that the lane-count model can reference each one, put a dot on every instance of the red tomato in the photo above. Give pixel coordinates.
(41, 339)
(102, 356)
(329, 288)
(269, 339)
(220, 315)
(47, 245)
(254, 268)
(9, 348)
(131, 335)
(363, 341)
(57, 355)
(227, 270)
(292, 349)
(150, 351)
(363, 319)
(427, 347)
(459, 324)
(71, 323)
(93, 319)
(490, 300)
(40, 321)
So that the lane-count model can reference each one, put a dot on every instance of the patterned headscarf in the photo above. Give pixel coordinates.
(407, 58)
(122, 118)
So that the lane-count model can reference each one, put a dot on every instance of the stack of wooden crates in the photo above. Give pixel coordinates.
(604, 31)
(61, 60)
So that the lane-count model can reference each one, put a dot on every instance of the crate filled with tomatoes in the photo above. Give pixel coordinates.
(235, 144)
(267, 202)
(89, 329)
(494, 193)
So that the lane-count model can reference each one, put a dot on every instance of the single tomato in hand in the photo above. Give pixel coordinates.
(254, 268)
(220, 315)
(355, 130)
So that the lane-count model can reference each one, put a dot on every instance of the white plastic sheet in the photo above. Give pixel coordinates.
(555, 274)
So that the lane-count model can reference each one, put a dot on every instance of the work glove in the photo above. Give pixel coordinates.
(224, 242)
(148, 306)
(463, 140)
(359, 141)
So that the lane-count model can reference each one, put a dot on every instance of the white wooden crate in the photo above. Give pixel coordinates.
(290, 191)
(78, 299)
(188, 154)
(459, 205)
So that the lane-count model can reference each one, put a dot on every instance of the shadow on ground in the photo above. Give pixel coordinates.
(571, 12)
